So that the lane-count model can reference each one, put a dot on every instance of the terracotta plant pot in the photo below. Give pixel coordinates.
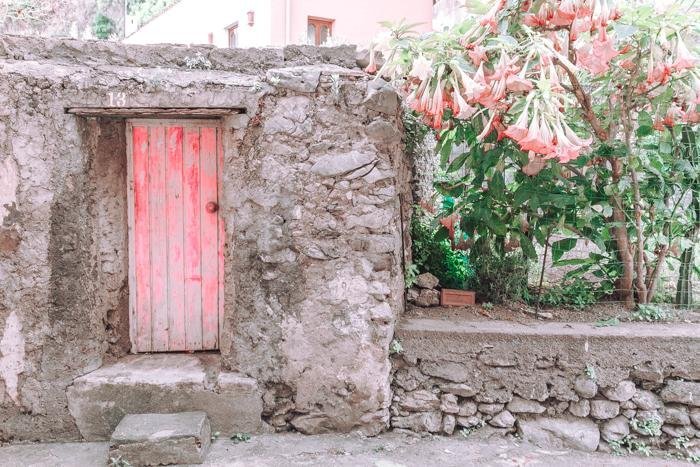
(452, 297)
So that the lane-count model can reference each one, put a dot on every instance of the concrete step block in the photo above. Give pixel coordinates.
(161, 439)
(163, 383)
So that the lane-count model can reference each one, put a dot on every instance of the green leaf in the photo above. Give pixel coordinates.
(458, 162)
(562, 246)
(602, 323)
(527, 246)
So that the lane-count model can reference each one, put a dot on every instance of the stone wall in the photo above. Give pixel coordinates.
(315, 186)
(558, 385)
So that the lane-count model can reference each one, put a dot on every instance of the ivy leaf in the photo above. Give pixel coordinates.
(562, 246)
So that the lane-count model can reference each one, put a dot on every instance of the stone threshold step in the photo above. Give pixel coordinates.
(161, 439)
(164, 383)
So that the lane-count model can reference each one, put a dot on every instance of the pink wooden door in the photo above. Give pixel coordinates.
(175, 235)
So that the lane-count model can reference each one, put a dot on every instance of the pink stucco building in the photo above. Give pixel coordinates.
(260, 23)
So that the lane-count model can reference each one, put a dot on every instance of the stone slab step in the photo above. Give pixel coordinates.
(161, 439)
(164, 383)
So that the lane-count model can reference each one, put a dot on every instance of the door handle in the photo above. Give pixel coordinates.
(211, 206)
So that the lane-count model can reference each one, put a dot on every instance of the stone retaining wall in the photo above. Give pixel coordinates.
(556, 384)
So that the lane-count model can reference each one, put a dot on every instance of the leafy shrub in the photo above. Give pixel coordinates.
(433, 253)
(500, 278)
(578, 294)
(102, 26)
(649, 313)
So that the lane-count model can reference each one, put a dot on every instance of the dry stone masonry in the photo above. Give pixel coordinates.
(556, 385)
(315, 184)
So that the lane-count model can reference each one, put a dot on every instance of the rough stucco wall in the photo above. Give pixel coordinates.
(313, 256)
(317, 252)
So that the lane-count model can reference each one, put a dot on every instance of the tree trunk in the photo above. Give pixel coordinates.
(625, 284)
(639, 259)
(684, 287)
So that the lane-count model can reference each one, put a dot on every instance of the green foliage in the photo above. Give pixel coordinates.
(240, 437)
(607, 322)
(395, 348)
(577, 294)
(143, 10)
(590, 373)
(102, 26)
(650, 426)
(649, 313)
(433, 253)
(466, 432)
(411, 275)
(414, 131)
(629, 445)
(500, 278)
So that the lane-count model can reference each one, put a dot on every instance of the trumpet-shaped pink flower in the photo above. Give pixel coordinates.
(596, 55)
(684, 59)
(477, 54)
(518, 130)
(422, 68)
(538, 138)
(490, 18)
(565, 14)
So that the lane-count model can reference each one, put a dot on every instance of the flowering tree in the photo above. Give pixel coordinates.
(575, 87)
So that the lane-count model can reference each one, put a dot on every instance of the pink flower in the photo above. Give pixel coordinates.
(539, 137)
(684, 59)
(565, 14)
(595, 56)
(477, 54)
(461, 109)
(517, 83)
(490, 18)
(518, 130)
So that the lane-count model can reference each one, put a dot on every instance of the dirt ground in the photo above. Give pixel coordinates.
(521, 312)
(387, 450)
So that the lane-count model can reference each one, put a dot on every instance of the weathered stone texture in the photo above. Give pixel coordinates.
(536, 379)
(313, 183)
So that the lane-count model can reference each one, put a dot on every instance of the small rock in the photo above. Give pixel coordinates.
(420, 401)
(420, 422)
(628, 405)
(427, 298)
(467, 409)
(463, 390)
(650, 373)
(412, 295)
(451, 371)
(520, 405)
(695, 417)
(585, 387)
(615, 429)
(645, 400)
(491, 396)
(676, 415)
(533, 391)
(570, 432)
(448, 403)
(561, 407)
(580, 408)
(469, 422)
(498, 359)
(448, 424)
(679, 431)
(503, 420)
(624, 391)
(629, 413)
(683, 392)
(427, 281)
(490, 409)
(604, 410)
(408, 378)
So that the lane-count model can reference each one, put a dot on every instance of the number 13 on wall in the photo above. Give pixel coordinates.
(117, 99)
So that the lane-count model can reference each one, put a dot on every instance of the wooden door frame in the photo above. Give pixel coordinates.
(210, 122)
